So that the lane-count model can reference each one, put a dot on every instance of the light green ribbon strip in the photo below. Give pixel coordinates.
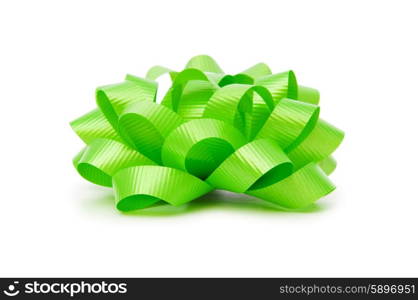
(254, 132)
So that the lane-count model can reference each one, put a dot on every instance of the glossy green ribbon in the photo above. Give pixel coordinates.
(254, 132)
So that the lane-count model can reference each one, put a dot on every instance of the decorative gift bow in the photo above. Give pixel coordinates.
(255, 132)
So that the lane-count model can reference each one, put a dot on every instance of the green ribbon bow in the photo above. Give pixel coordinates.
(255, 132)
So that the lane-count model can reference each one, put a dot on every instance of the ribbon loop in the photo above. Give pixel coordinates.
(308, 95)
(137, 187)
(204, 63)
(290, 122)
(102, 158)
(180, 81)
(199, 146)
(194, 98)
(280, 85)
(145, 125)
(93, 125)
(300, 189)
(234, 104)
(254, 165)
(113, 99)
(319, 144)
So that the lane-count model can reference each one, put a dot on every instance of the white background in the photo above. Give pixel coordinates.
(361, 55)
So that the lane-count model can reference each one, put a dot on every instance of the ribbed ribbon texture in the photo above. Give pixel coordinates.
(254, 132)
